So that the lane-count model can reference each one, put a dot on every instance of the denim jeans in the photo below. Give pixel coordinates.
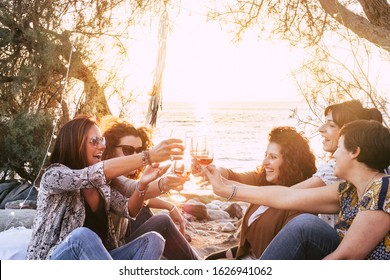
(176, 246)
(306, 237)
(84, 244)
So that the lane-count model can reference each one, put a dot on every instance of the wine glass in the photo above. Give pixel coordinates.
(180, 167)
(202, 150)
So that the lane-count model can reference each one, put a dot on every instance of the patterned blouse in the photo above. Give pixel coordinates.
(377, 197)
(61, 206)
(325, 172)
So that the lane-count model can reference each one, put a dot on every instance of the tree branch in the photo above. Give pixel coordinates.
(375, 34)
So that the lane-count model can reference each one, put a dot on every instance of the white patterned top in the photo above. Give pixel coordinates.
(325, 172)
(61, 206)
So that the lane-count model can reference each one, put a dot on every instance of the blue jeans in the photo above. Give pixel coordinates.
(176, 246)
(84, 244)
(306, 237)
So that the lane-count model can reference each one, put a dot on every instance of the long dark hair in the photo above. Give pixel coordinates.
(298, 160)
(70, 145)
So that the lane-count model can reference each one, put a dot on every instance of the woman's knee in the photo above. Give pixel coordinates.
(154, 237)
(309, 226)
(84, 234)
(162, 220)
(306, 222)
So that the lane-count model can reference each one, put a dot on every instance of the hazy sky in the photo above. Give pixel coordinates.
(203, 64)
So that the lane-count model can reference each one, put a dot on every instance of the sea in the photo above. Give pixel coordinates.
(238, 130)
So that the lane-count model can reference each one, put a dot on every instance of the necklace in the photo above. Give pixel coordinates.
(369, 183)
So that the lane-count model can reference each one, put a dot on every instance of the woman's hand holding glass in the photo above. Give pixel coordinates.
(169, 149)
(213, 175)
(151, 173)
(173, 182)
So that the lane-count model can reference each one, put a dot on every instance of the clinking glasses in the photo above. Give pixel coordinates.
(96, 140)
(128, 150)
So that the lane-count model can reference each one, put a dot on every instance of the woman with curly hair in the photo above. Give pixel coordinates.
(124, 139)
(76, 200)
(288, 161)
(362, 202)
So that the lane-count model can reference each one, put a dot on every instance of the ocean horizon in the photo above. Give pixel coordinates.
(239, 130)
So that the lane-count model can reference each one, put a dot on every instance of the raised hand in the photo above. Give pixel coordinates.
(167, 149)
(213, 175)
(173, 182)
(151, 173)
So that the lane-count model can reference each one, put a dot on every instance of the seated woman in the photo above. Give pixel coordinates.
(362, 202)
(74, 199)
(288, 160)
(336, 115)
(124, 139)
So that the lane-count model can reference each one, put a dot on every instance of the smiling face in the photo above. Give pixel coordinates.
(272, 162)
(94, 150)
(330, 134)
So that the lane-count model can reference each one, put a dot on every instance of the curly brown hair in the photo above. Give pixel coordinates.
(115, 129)
(298, 160)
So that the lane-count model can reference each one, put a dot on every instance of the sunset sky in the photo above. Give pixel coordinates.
(202, 63)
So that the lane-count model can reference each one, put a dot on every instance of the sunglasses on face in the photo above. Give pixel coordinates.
(129, 150)
(96, 140)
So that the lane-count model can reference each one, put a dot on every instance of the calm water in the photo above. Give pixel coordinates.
(239, 131)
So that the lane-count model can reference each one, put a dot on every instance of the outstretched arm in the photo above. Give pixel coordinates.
(123, 165)
(317, 200)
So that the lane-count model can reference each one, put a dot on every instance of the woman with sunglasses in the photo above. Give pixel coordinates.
(75, 200)
(124, 139)
(362, 202)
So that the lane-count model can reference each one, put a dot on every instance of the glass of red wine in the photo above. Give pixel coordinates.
(202, 150)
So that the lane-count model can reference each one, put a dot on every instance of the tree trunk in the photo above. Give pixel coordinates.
(377, 32)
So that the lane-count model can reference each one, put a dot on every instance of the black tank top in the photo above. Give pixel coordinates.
(97, 221)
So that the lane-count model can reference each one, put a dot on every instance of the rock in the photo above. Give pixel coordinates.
(15, 218)
(212, 206)
(188, 217)
(202, 232)
(235, 211)
(196, 209)
(21, 204)
(19, 192)
(217, 215)
(216, 202)
(5, 188)
(228, 227)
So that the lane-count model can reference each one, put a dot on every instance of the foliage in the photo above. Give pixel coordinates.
(24, 141)
(305, 22)
(46, 43)
(340, 72)
(361, 28)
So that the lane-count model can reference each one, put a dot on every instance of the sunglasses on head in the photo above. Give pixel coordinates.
(129, 150)
(96, 140)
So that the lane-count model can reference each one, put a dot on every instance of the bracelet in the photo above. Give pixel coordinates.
(160, 187)
(146, 158)
(173, 208)
(141, 193)
(233, 194)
